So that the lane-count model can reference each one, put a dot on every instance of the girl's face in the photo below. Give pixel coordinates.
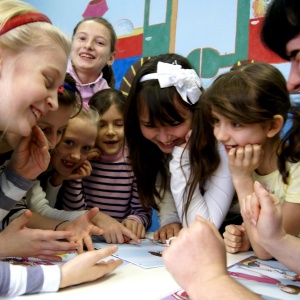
(233, 135)
(110, 139)
(74, 146)
(166, 137)
(28, 82)
(91, 48)
(293, 50)
(54, 123)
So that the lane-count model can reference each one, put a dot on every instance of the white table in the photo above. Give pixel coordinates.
(128, 282)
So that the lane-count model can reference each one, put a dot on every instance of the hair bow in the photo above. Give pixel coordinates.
(186, 81)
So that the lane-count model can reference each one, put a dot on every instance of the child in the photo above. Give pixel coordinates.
(112, 185)
(159, 113)
(93, 53)
(33, 59)
(249, 106)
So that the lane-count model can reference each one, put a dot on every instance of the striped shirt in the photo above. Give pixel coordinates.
(111, 187)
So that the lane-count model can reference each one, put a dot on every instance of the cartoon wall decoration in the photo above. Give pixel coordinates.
(212, 34)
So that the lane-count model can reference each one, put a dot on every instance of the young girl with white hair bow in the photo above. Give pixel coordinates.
(161, 109)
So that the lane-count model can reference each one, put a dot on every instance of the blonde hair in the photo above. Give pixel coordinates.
(31, 35)
(91, 116)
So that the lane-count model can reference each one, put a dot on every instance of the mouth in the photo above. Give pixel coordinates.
(68, 164)
(86, 55)
(229, 147)
(37, 113)
(110, 142)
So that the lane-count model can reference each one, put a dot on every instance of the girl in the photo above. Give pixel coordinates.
(33, 59)
(112, 185)
(93, 53)
(249, 106)
(159, 112)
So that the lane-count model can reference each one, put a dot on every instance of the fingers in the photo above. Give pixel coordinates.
(40, 137)
(130, 234)
(55, 258)
(233, 238)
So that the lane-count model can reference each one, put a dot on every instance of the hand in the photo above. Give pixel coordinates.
(84, 170)
(244, 160)
(267, 220)
(197, 255)
(83, 228)
(236, 239)
(187, 138)
(114, 231)
(21, 241)
(31, 157)
(94, 154)
(86, 267)
(136, 227)
(167, 232)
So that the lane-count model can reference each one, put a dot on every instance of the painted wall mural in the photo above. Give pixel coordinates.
(212, 34)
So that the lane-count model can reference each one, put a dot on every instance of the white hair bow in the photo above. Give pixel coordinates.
(186, 81)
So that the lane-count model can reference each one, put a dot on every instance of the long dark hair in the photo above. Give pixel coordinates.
(148, 161)
(255, 93)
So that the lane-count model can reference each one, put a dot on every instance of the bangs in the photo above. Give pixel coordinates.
(235, 100)
(160, 105)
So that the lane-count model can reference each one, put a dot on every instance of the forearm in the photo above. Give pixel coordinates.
(13, 188)
(13, 284)
(214, 204)
(41, 222)
(221, 285)
(258, 248)
(278, 248)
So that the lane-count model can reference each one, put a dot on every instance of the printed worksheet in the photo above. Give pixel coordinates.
(147, 254)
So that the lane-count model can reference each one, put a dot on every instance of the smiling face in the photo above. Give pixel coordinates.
(29, 83)
(166, 137)
(110, 138)
(54, 123)
(233, 135)
(91, 49)
(74, 146)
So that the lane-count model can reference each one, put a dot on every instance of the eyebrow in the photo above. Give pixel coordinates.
(97, 36)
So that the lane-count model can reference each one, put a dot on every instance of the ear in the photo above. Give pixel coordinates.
(111, 58)
(275, 126)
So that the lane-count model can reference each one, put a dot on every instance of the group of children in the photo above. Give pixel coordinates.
(104, 162)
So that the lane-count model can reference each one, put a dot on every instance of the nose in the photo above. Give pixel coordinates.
(221, 133)
(110, 130)
(76, 154)
(163, 135)
(88, 44)
(293, 82)
(52, 102)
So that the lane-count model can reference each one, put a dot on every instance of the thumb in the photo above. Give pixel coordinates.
(23, 219)
(267, 200)
(92, 213)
